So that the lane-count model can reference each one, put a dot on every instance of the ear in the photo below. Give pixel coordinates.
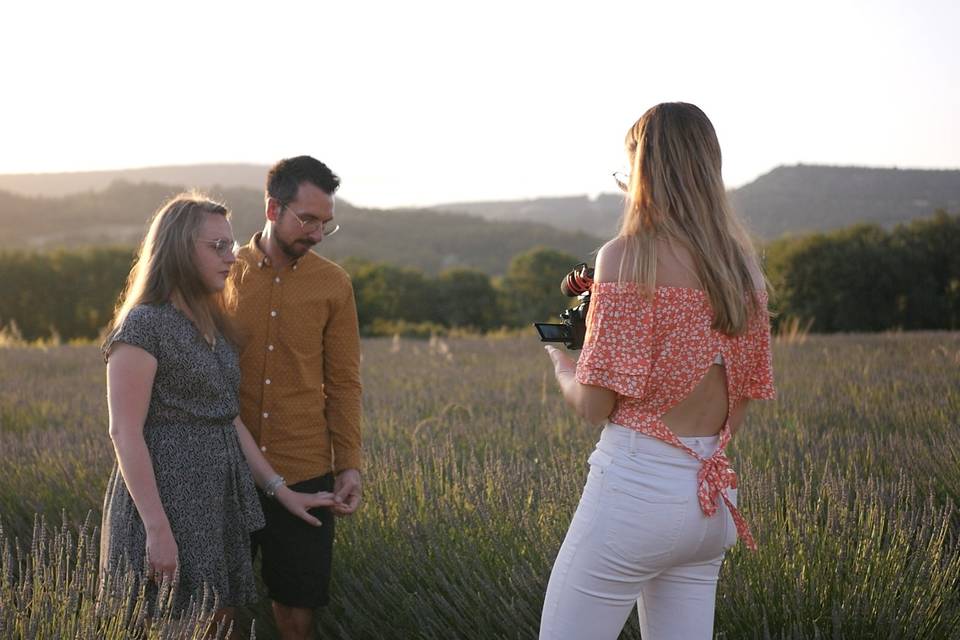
(273, 209)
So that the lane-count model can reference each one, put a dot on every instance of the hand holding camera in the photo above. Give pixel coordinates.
(573, 326)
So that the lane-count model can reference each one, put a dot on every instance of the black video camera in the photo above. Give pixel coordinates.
(573, 328)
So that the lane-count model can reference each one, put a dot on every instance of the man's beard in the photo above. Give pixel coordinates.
(294, 249)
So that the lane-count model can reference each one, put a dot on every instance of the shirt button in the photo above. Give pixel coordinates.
(269, 347)
(263, 448)
(266, 415)
(273, 314)
(267, 381)
(277, 279)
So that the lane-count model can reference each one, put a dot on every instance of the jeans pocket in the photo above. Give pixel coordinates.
(643, 529)
(730, 538)
(599, 465)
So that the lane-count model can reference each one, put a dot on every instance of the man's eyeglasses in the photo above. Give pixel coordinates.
(309, 224)
(223, 246)
(622, 179)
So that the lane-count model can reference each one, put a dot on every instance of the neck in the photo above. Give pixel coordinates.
(268, 244)
(176, 299)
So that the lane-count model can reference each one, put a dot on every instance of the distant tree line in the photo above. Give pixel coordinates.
(68, 294)
(863, 278)
(71, 294)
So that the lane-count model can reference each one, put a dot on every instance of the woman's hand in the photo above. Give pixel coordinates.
(298, 503)
(563, 365)
(161, 553)
(593, 404)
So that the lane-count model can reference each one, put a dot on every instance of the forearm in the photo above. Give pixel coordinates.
(136, 467)
(593, 404)
(261, 469)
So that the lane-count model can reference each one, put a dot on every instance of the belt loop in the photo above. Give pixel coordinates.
(633, 441)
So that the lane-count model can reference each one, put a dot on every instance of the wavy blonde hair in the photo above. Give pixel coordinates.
(676, 193)
(165, 267)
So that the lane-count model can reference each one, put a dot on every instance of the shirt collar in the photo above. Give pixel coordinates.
(261, 259)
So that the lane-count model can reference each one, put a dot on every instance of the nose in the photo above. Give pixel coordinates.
(229, 257)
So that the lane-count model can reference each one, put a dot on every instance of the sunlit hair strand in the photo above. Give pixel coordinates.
(676, 193)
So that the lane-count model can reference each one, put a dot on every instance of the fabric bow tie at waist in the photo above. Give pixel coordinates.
(713, 479)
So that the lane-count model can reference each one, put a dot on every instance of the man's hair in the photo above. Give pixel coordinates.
(285, 177)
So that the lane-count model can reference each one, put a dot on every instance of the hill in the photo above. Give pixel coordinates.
(484, 235)
(793, 199)
(428, 240)
(817, 198)
(203, 176)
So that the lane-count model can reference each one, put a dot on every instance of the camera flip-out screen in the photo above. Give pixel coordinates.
(551, 332)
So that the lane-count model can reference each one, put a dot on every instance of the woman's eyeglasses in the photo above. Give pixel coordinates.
(223, 246)
(623, 180)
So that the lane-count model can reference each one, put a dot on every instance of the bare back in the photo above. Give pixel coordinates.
(704, 410)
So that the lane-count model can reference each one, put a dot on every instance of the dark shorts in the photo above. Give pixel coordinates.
(296, 555)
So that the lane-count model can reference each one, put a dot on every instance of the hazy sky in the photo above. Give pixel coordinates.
(422, 102)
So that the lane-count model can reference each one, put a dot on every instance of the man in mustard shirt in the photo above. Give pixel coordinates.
(296, 323)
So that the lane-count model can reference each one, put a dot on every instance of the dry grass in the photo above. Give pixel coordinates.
(849, 480)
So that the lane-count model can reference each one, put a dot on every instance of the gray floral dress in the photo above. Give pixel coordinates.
(205, 485)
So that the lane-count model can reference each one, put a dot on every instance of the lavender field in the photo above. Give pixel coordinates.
(849, 480)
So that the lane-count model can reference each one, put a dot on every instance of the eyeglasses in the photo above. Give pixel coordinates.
(309, 224)
(223, 246)
(622, 179)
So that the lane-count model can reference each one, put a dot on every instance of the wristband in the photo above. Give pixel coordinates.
(274, 485)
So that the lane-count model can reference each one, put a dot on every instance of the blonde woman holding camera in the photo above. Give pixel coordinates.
(677, 344)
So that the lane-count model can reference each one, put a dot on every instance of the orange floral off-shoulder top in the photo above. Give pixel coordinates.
(653, 350)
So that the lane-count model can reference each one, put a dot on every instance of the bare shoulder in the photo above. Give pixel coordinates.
(756, 274)
(609, 259)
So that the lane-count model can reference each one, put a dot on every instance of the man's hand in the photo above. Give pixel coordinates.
(346, 492)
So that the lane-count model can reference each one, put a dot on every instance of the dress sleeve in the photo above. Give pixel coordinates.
(616, 349)
(141, 328)
(760, 377)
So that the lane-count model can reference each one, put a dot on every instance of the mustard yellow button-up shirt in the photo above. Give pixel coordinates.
(300, 363)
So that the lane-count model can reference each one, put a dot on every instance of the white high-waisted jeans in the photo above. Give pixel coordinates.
(639, 536)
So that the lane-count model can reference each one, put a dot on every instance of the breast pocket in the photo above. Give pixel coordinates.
(302, 325)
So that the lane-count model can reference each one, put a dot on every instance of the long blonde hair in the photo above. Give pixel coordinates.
(165, 267)
(676, 193)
